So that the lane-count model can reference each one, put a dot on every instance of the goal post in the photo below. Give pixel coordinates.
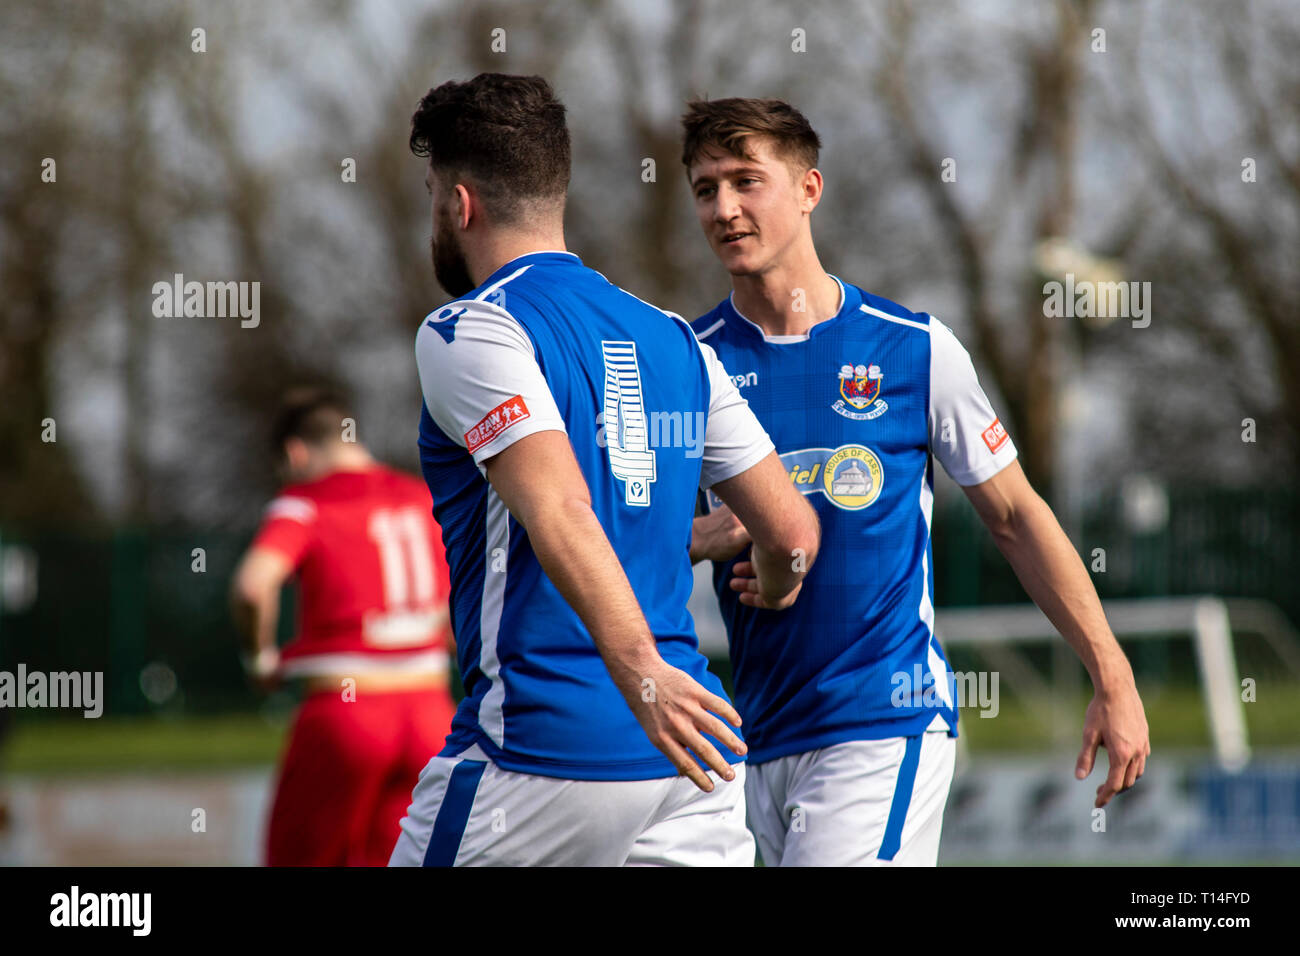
(1206, 618)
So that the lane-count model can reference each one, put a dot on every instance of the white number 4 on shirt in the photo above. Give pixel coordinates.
(630, 457)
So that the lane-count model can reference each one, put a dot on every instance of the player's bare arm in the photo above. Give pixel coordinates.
(255, 604)
(1031, 539)
(785, 532)
(539, 481)
(717, 536)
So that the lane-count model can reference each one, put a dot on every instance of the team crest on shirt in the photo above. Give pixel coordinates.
(860, 390)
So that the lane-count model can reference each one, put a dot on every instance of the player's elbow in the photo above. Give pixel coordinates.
(245, 593)
(1008, 506)
(800, 535)
(541, 514)
(1002, 525)
(254, 583)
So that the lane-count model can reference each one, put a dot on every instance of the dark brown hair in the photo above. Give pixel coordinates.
(727, 125)
(314, 414)
(507, 134)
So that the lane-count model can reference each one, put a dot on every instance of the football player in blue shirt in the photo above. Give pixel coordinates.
(849, 705)
(567, 429)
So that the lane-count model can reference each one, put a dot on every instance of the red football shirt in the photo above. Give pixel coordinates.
(372, 575)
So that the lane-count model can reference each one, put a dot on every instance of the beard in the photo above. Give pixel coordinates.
(449, 265)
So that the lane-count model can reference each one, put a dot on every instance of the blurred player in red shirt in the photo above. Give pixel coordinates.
(372, 641)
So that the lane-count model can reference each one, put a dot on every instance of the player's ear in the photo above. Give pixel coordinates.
(466, 206)
(296, 455)
(812, 189)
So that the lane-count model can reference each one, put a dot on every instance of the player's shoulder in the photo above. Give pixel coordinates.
(878, 308)
(389, 487)
(655, 315)
(403, 485)
(298, 502)
(445, 321)
(708, 325)
(508, 303)
(652, 320)
(533, 285)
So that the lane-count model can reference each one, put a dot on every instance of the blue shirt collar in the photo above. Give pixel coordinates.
(850, 300)
(529, 259)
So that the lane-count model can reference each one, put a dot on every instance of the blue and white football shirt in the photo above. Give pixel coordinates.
(547, 344)
(855, 406)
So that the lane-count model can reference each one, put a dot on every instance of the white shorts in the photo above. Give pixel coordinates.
(467, 811)
(860, 803)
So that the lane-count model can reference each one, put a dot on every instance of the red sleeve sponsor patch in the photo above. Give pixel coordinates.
(995, 436)
(509, 412)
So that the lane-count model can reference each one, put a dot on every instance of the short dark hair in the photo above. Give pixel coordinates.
(505, 133)
(312, 413)
(728, 124)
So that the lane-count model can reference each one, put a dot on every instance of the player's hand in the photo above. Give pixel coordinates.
(263, 669)
(676, 712)
(717, 536)
(1115, 720)
(745, 580)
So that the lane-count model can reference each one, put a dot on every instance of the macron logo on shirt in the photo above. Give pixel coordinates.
(444, 322)
(509, 412)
